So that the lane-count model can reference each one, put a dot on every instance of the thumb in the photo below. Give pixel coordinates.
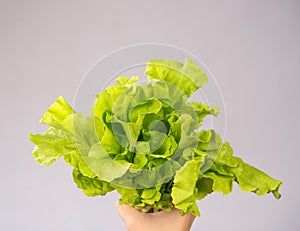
(128, 213)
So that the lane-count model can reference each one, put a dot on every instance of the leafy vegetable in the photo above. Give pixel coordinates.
(146, 142)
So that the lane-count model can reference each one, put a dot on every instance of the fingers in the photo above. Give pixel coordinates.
(136, 220)
(173, 220)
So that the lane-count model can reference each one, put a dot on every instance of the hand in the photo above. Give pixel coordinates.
(159, 221)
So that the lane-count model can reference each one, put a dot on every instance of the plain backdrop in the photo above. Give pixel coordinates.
(251, 47)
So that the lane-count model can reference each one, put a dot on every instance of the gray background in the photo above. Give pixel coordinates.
(251, 47)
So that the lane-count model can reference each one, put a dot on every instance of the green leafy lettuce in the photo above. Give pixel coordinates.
(145, 141)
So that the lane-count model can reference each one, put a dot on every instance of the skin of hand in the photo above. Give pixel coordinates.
(136, 220)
